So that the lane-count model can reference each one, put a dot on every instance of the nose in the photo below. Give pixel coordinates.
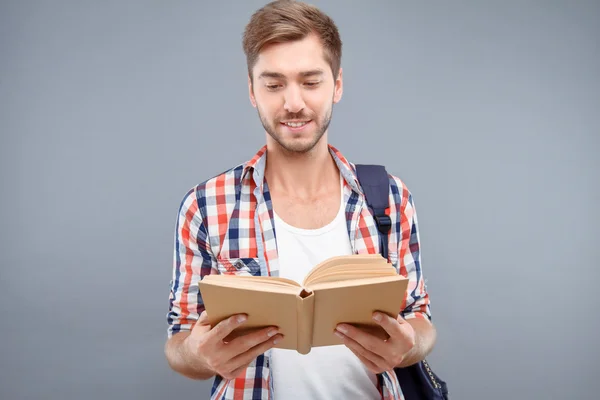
(293, 100)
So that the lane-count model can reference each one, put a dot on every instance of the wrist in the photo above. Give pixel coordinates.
(412, 356)
(193, 359)
(424, 339)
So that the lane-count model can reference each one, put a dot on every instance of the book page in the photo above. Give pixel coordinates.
(276, 285)
(348, 275)
(355, 282)
(271, 280)
(355, 259)
(344, 272)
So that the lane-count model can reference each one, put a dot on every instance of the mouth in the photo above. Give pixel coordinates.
(296, 126)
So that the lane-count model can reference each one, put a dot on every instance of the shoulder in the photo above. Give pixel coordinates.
(401, 197)
(399, 190)
(221, 184)
(205, 195)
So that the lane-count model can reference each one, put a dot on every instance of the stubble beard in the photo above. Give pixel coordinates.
(293, 145)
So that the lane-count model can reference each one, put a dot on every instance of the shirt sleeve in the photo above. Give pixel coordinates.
(192, 260)
(417, 299)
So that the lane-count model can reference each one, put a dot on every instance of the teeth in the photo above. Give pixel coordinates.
(296, 124)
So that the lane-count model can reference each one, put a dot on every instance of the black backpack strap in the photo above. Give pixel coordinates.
(417, 381)
(375, 183)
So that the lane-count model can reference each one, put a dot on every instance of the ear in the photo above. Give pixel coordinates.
(338, 88)
(251, 92)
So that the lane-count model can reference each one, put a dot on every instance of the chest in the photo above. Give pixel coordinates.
(245, 231)
(307, 213)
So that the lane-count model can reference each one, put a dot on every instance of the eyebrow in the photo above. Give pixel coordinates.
(278, 75)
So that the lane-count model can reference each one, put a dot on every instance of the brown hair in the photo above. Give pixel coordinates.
(285, 21)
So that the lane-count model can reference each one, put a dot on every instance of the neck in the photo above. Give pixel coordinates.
(301, 175)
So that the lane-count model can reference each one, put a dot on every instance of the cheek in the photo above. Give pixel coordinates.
(319, 100)
(318, 106)
(268, 105)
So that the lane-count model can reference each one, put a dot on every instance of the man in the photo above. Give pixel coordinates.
(295, 203)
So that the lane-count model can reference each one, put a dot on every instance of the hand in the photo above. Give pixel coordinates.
(207, 347)
(376, 354)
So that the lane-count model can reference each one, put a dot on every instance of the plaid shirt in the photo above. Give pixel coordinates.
(225, 226)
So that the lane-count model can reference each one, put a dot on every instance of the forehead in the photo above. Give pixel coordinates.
(292, 58)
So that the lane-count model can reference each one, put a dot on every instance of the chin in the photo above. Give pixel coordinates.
(300, 143)
(296, 147)
(299, 146)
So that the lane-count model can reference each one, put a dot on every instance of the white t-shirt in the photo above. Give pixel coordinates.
(330, 372)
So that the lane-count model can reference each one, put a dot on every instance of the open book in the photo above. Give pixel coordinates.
(343, 289)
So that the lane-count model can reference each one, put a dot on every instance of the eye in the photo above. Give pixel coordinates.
(273, 86)
(312, 84)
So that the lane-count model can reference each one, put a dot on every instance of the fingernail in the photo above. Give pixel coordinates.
(272, 332)
(377, 317)
(338, 334)
(277, 340)
(241, 318)
(342, 328)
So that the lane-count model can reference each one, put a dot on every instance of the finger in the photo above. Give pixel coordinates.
(225, 327)
(242, 360)
(203, 319)
(236, 373)
(201, 326)
(370, 342)
(368, 363)
(241, 344)
(379, 362)
(391, 325)
(201, 322)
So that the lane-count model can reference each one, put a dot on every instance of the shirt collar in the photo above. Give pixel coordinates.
(256, 166)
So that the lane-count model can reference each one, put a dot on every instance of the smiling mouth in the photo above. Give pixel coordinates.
(298, 124)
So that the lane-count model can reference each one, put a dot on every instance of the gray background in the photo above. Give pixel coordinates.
(110, 111)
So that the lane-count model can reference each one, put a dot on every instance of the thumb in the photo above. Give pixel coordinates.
(401, 319)
(202, 320)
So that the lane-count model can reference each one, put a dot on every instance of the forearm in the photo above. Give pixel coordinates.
(180, 361)
(425, 336)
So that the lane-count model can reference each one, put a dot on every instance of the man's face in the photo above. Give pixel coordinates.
(294, 92)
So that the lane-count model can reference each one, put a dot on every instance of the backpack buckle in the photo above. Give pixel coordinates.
(384, 223)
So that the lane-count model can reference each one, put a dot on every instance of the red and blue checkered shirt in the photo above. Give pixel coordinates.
(225, 226)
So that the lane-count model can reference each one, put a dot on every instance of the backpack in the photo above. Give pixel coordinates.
(418, 381)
